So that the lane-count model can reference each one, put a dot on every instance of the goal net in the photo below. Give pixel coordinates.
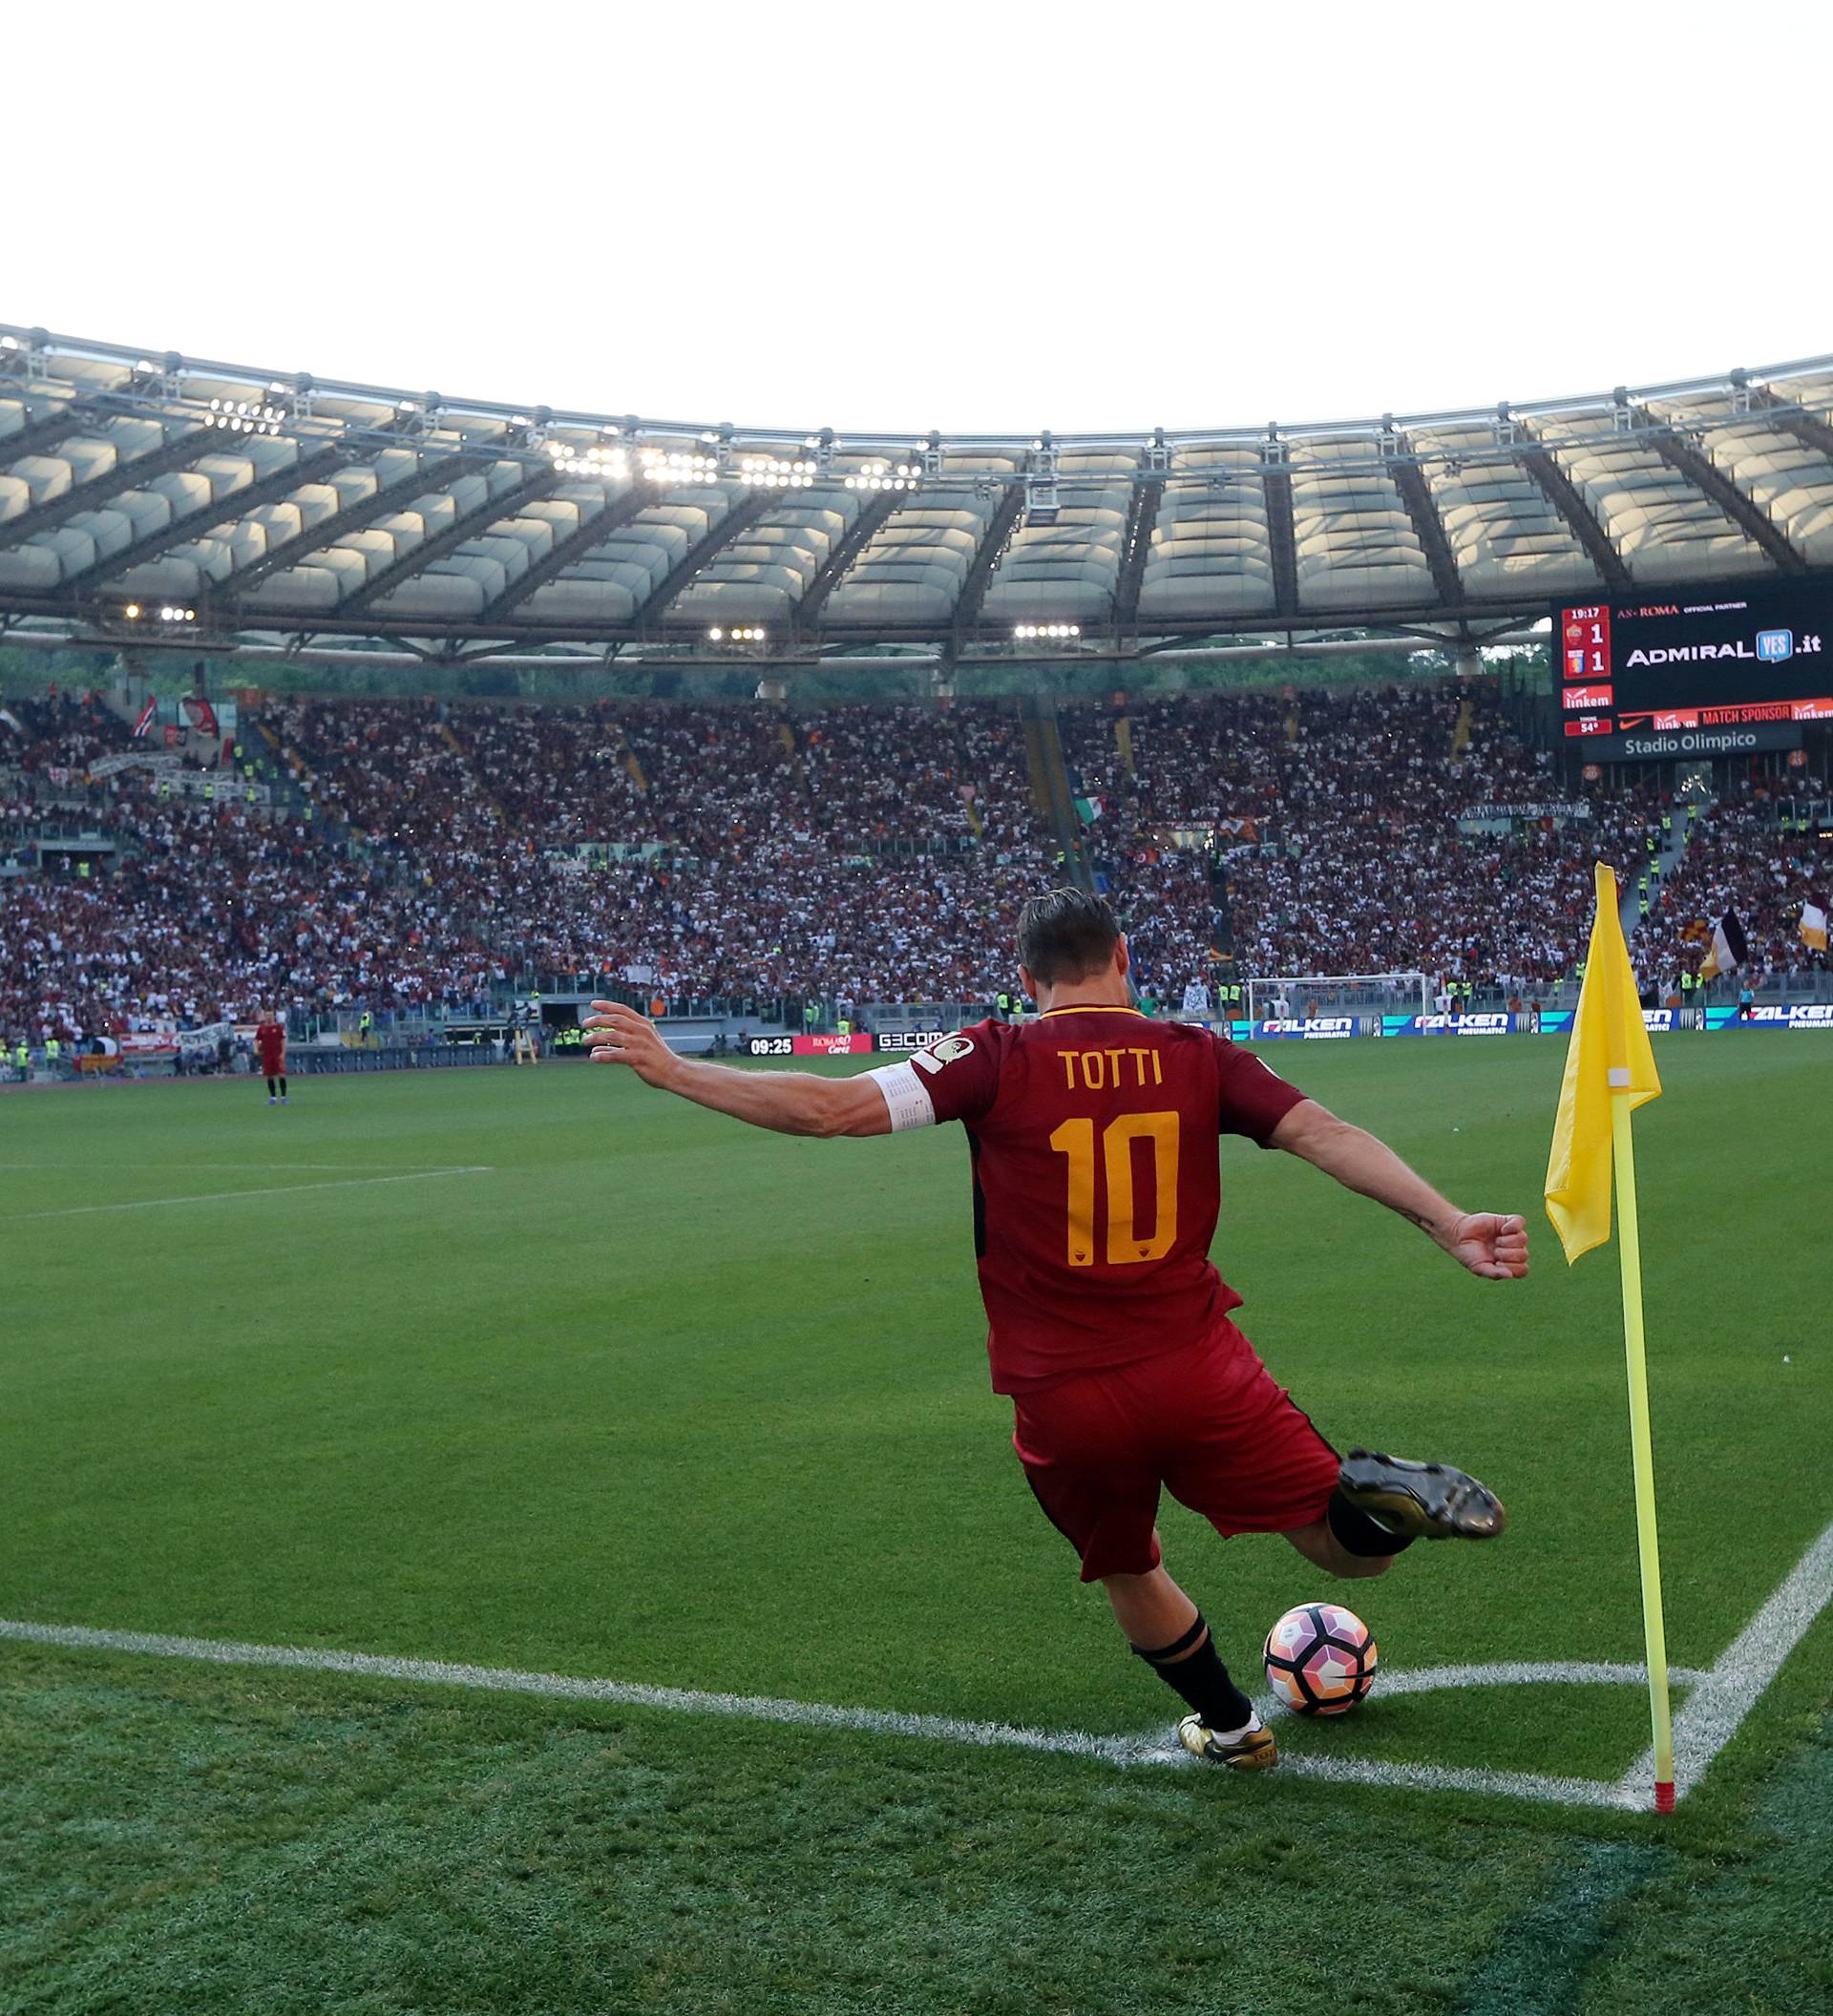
(1297, 997)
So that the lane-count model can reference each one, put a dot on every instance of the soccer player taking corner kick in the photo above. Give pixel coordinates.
(1092, 1136)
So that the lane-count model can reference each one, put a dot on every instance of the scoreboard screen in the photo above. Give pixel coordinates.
(1680, 660)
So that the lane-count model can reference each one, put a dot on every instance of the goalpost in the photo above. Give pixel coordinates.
(1338, 994)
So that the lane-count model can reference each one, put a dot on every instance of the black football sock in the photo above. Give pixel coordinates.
(1360, 1532)
(1200, 1677)
(283, 1088)
(270, 1089)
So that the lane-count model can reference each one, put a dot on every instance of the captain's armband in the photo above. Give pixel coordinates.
(905, 1094)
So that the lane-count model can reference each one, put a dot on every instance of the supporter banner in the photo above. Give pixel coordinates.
(1783, 1015)
(150, 1042)
(1578, 810)
(132, 760)
(856, 1044)
(1486, 1024)
(194, 1041)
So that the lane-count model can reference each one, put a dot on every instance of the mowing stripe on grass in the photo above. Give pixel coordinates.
(1748, 1665)
(278, 1189)
(1538, 1965)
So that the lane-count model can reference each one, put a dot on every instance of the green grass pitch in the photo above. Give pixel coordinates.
(652, 1396)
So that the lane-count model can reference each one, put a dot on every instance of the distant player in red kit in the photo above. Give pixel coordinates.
(270, 1052)
(1092, 1134)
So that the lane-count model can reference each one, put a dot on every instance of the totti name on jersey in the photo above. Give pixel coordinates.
(1092, 1135)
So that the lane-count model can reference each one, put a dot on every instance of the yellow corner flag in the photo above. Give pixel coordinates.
(1608, 1058)
(1609, 1071)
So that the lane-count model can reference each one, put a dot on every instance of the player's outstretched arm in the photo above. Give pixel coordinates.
(786, 1101)
(1491, 1244)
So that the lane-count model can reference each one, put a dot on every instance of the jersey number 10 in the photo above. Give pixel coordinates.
(1125, 1244)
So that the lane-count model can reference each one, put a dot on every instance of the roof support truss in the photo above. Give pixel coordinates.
(1805, 427)
(986, 558)
(742, 515)
(1562, 495)
(1416, 494)
(69, 419)
(1755, 525)
(102, 490)
(1142, 517)
(847, 549)
(469, 525)
(1281, 542)
(271, 490)
(82, 411)
(591, 532)
(353, 518)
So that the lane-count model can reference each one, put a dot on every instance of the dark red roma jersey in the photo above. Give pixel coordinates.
(270, 1048)
(1093, 1138)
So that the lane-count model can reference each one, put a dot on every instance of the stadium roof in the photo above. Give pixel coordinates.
(222, 503)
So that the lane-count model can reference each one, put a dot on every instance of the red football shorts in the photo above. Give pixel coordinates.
(1207, 1422)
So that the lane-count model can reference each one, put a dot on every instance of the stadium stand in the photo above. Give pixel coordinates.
(1338, 819)
(396, 854)
(426, 853)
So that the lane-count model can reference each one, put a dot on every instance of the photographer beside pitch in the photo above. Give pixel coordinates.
(1093, 1134)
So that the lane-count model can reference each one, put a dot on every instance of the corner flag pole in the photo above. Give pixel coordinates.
(1641, 1451)
(1609, 1071)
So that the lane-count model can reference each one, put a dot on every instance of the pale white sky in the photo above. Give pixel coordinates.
(978, 216)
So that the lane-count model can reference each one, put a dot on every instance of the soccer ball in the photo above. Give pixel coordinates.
(1321, 1659)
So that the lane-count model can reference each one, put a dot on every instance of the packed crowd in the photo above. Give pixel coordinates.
(1335, 819)
(1742, 857)
(57, 731)
(780, 854)
(425, 853)
(215, 913)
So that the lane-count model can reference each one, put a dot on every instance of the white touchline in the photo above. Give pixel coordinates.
(1719, 1703)
(277, 1190)
(1742, 1672)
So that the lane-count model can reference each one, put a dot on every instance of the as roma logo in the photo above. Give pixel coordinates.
(944, 1053)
